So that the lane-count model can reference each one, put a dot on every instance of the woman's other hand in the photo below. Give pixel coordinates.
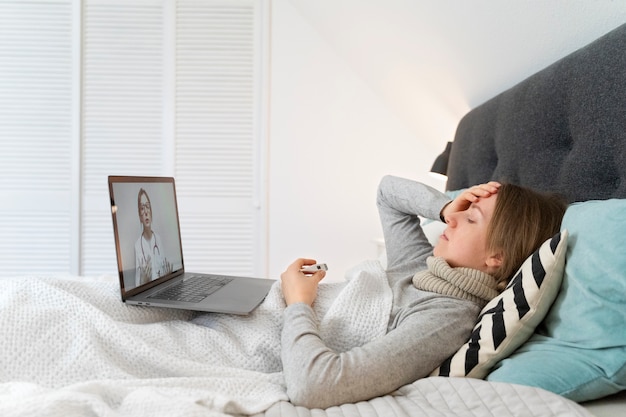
(464, 200)
(299, 287)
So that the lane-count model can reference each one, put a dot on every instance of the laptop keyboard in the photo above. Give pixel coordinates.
(193, 289)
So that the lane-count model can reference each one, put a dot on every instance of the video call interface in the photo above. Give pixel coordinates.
(147, 231)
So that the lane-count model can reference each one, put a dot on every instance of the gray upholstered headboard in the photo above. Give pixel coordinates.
(562, 129)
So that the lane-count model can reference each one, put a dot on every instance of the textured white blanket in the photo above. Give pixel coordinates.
(71, 347)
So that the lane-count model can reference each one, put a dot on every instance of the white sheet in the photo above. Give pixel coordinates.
(71, 347)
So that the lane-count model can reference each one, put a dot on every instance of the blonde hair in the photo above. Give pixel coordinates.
(522, 220)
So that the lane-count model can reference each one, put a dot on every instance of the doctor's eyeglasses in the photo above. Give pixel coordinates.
(145, 207)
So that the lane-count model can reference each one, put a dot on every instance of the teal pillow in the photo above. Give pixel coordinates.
(579, 351)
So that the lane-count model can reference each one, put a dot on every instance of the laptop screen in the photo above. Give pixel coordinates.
(146, 228)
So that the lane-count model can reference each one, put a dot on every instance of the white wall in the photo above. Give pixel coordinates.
(362, 88)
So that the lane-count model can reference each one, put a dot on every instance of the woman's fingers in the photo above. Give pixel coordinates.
(463, 201)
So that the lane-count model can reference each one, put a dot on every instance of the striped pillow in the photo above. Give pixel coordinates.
(508, 320)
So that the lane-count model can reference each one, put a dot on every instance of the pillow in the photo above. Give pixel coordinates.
(579, 351)
(433, 230)
(508, 320)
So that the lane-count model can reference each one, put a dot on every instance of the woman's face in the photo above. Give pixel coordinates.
(145, 211)
(464, 242)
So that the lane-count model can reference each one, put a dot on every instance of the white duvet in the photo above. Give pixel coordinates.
(70, 347)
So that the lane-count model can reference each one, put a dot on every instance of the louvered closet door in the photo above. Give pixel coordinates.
(217, 146)
(36, 138)
(171, 88)
(123, 118)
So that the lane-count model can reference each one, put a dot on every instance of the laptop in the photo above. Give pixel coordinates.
(150, 256)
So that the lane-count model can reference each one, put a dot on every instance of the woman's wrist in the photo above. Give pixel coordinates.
(442, 217)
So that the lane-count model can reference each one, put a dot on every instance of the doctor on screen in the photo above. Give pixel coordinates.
(150, 262)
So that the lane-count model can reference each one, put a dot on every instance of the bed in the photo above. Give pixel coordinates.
(70, 347)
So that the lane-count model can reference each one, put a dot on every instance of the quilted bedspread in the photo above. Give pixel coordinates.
(448, 397)
(70, 347)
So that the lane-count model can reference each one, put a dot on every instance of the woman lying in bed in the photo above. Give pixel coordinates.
(437, 292)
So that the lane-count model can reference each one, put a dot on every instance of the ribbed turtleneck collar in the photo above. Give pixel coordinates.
(465, 283)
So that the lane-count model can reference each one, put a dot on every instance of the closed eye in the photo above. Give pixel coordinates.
(474, 210)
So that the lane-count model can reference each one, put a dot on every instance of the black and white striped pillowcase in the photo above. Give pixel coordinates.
(508, 320)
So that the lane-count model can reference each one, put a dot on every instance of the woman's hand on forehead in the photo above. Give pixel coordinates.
(464, 200)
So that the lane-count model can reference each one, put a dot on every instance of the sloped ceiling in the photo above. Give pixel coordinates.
(422, 57)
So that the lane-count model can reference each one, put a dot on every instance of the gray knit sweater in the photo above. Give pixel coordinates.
(424, 327)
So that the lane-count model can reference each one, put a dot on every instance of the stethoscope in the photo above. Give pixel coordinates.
(155, 248)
